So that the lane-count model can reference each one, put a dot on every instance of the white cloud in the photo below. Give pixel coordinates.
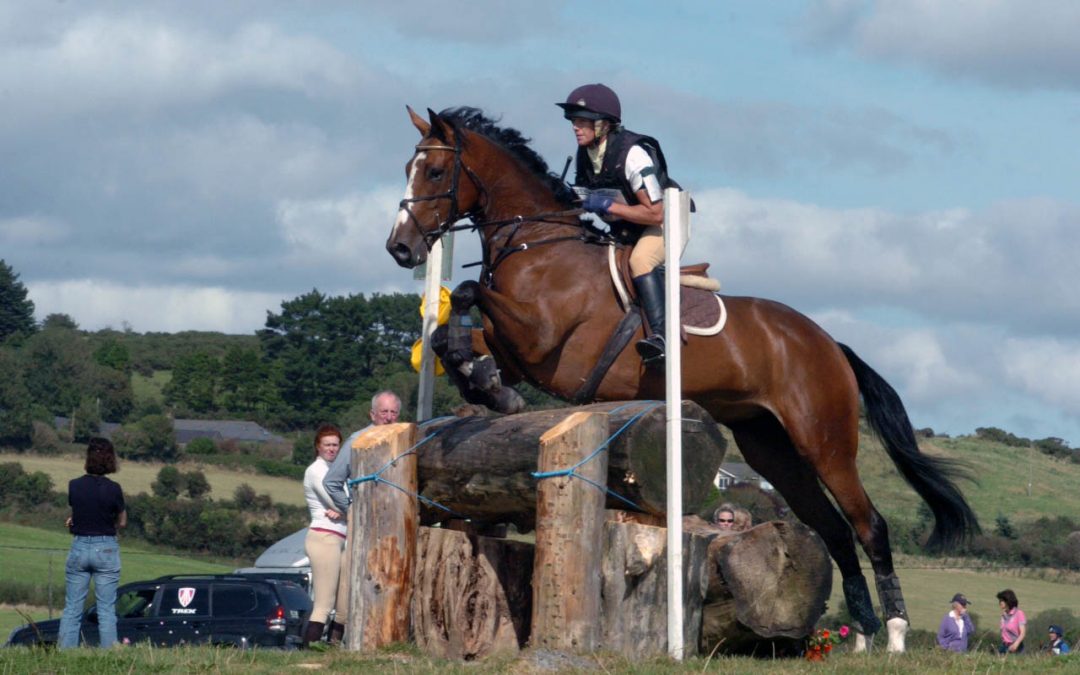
(31, 230)
(1001, 266)
(96, 303)
(1046, 368)
(1016, 43)
(139, 63)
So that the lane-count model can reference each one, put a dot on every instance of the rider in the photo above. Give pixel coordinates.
(625, 174)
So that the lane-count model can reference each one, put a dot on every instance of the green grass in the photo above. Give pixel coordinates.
(145, 388)
(929, 585)
(400, 659)
(1002, 473)
(136, 477)
(31, 557)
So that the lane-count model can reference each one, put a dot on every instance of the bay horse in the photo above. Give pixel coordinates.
(787, 390)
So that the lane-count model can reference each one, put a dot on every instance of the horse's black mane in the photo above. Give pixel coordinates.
(475, 120)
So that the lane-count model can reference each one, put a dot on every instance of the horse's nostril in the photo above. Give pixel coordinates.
(401, 253)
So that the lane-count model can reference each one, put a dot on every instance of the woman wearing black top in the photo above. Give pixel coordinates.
(97, 510)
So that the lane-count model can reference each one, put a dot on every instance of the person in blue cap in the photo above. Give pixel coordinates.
(1057, 644)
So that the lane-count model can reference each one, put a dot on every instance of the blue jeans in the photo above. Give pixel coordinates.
(97, 558)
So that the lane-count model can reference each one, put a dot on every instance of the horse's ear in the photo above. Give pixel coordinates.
(439, 128)
(419, 122)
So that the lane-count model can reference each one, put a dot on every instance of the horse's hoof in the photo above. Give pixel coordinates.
(862, 643)
(897, 628)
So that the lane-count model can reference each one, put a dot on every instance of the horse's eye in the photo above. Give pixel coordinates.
(434, 173)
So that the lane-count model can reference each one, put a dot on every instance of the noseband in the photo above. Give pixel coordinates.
(451, 194)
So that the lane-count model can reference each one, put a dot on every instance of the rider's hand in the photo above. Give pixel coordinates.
(596, 203)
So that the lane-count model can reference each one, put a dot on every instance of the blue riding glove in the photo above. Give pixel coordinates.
(597, 203)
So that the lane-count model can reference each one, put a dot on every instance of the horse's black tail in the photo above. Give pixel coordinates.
(954, 521)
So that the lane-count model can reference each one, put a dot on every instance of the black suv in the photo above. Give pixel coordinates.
(226, 609)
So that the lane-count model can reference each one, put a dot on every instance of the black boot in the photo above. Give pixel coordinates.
(313, 633)
(650, 290)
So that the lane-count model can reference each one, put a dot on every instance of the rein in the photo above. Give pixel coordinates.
(450, 223)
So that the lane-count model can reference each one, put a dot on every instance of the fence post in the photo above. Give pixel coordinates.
(569, 536)
(383, 523)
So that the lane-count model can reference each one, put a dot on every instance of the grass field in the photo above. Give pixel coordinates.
(929, 585)
(136, 477)
(149, 388)
(33, 557)
(400, 659)
(1002, 474)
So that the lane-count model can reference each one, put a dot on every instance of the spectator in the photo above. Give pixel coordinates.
(1013, 623)
(97, 511)
(385, 408)
(743, 520)
(956, 626)
(1057, 643)
(724, 516)
(325, 542)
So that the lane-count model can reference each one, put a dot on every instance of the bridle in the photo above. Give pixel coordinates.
(449, 224)
(451, 194)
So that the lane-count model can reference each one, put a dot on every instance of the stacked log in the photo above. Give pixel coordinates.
(767, 587)
(481, 467)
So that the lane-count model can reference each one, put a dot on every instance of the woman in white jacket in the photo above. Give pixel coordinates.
(325, 543)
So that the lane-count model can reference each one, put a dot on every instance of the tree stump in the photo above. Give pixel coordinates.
(382, 538)
(634, 588)
(767, 586)
(473, 595)
(569, 527)
(480, 467)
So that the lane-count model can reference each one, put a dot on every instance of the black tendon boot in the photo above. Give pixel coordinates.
(650, 290)
(313, 633)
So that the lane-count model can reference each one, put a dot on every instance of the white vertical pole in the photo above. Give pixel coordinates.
(432, 290)
(676, 215)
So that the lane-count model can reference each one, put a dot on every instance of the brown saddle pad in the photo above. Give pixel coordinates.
(699, 306)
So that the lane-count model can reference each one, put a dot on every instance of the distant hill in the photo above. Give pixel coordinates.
(1002, 473)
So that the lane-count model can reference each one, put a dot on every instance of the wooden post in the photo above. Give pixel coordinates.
(569, 536)
(383, 522)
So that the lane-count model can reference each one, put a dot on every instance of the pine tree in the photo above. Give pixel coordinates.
(16, 310)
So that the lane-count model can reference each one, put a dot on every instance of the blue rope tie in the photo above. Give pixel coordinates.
(572, 471)
(377, 476)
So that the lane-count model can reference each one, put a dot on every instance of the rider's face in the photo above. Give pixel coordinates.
(584, 131)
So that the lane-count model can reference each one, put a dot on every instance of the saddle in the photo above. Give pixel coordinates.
(702, 308)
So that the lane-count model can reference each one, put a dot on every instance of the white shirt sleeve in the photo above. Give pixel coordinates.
(641, 173)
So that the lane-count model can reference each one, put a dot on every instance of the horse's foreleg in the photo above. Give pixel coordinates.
(468, 360)
(768, 449)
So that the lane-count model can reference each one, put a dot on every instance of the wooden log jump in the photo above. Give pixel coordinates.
(595, 578)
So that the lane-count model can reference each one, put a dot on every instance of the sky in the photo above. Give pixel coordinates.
(904, 172)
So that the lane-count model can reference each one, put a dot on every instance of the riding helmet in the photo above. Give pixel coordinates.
(594, 102)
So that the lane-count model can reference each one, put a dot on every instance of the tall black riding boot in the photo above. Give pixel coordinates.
(650, 290)
(314, 632)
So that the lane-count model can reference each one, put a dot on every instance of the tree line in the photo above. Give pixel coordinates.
(320, 358)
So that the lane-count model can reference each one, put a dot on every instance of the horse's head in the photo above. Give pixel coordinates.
(440, 190)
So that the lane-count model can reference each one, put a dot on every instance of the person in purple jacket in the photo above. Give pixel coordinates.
(956, 627)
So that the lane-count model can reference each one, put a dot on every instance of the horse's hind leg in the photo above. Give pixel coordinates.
(834, 461)
(840, 475)
(768, 449)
